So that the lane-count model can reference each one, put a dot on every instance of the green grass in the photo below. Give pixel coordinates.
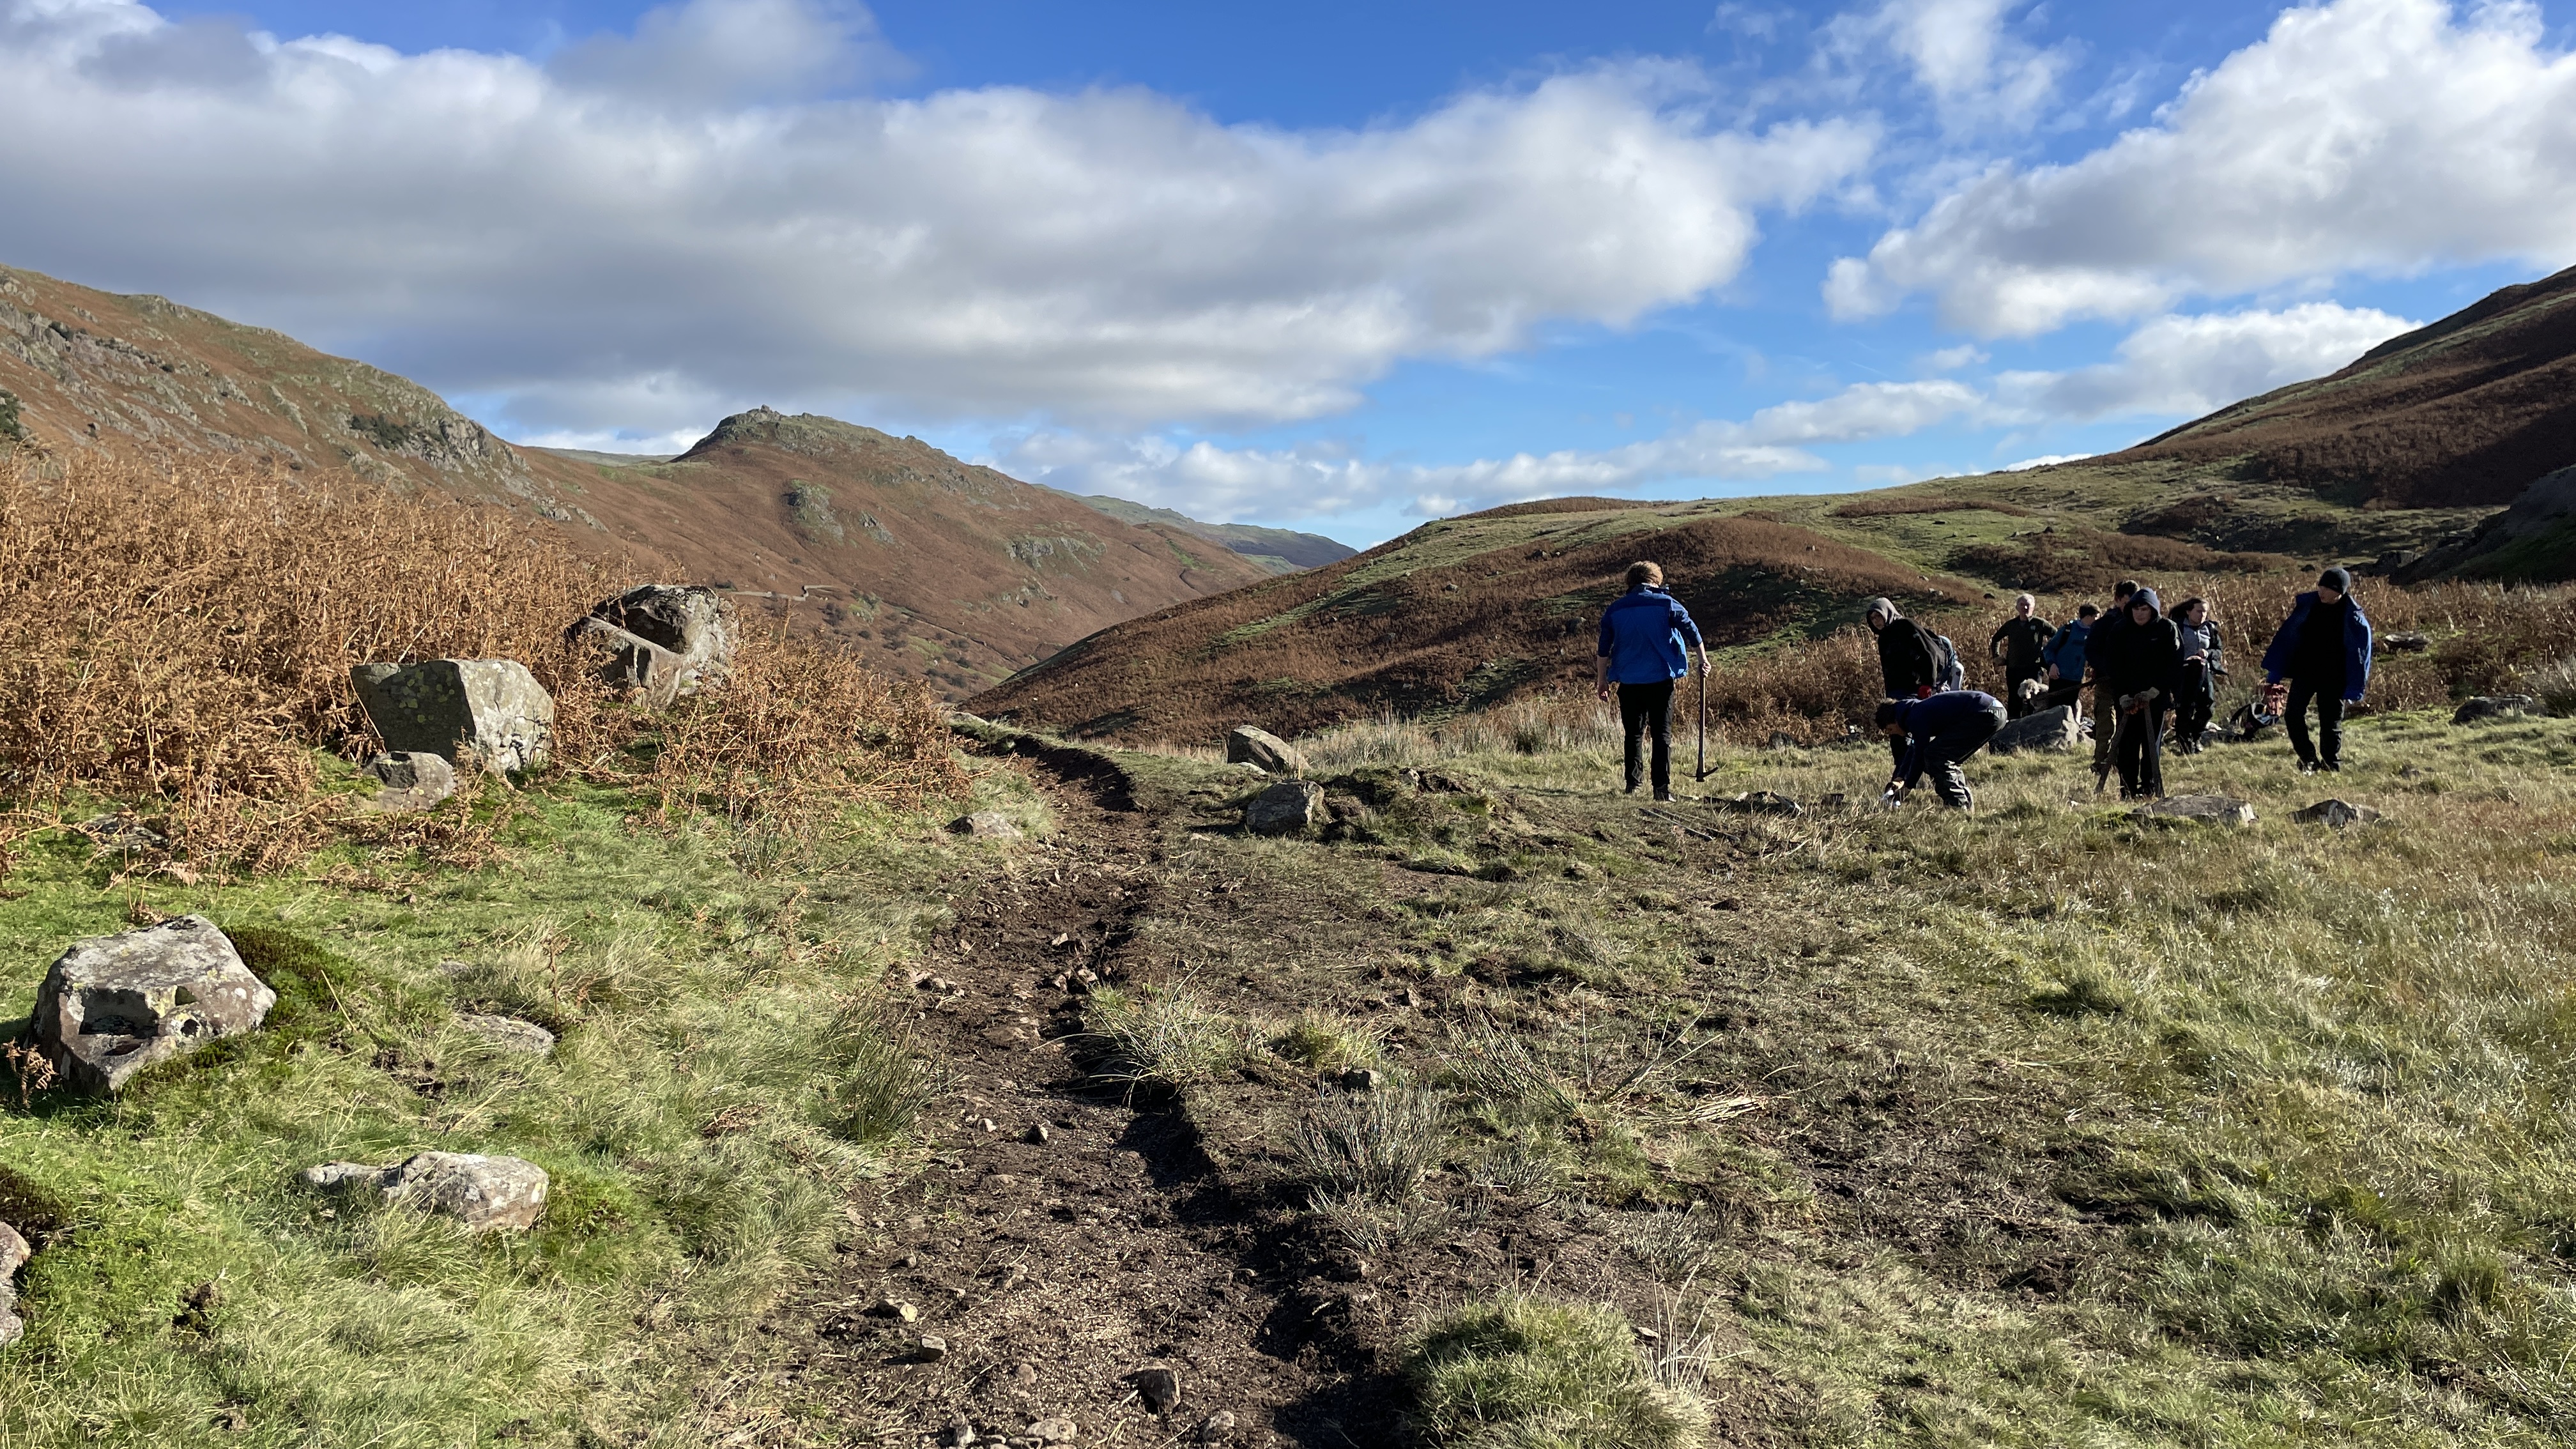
(1524, 1373)
(725, 1075)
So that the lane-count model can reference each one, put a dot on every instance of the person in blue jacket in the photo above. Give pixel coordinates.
(1939, 733)
(2323, 650)
(1641, 655)
(2064, 655)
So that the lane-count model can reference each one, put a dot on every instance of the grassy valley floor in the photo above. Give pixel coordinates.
(2039, 1127)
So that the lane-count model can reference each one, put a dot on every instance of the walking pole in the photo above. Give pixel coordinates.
(1701, 771)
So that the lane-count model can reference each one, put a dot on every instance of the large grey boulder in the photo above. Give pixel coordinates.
(2198, 810)
(2498, 706)
(1249, 745)
(2050, 729)
(14, 1253)
(483, 1193)
(113, 1005)
(410, 781)
(661, 640)
(1287, 808)
(490, 713)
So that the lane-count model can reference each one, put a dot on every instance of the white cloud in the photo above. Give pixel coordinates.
(2181, 366)
(1977, 71)
(587, 239)
(1207, 481)
(2381, 136)
(2045, 460)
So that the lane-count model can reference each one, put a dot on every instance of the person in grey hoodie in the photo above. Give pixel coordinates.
(2203, 664)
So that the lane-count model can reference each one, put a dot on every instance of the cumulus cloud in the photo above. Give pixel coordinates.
(1961, 51)
(1208, 481)
(2180, 366)
(2380, 136)
(629, 224)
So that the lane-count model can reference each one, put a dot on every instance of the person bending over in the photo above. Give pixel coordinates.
(1641, 656)
(1908, 665)
(2323, 650)
(1936, 735)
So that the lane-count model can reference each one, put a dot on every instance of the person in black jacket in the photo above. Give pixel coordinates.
(2323, 650)
(2105, 629)
(2139, 673)
(1908, 666)
(2020, 645)
(2204, 662)
(1935, 735)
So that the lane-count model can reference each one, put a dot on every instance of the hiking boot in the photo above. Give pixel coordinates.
(1663, 797)
(2307, 767)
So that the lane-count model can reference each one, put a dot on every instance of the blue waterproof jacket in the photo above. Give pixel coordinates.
(2278, 660)
(1641, 635)
(2065, 649)
(1924, 721)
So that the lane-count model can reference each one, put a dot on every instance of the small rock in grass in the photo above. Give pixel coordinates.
(112, 1005)
(2337, 813)
(14, 1253)
(410, 780)
(508, 1032)
(1361, 1079)
(2406, 643)
(482, 1192)
(1217, 1427)
(986, 825)
(1038, 1133)
(2197, 809)
(2498, 706)
(895, 1309)
(933, 1348)
(1053, 1430)
(1286, 808)
(958, 1435)
(1762, 802)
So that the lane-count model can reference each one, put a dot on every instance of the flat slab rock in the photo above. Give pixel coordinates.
(486, 1194)
(2198, 810)
(1761, 802)
(508, 1032)
(2337, 813)
(111, 1006)
(2496, 706)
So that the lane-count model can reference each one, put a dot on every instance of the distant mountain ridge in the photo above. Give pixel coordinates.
(1281, 550)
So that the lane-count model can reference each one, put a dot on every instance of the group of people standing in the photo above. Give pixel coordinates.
(2148, 670)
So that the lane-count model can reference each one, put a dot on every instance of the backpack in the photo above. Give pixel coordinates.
(1947, 672)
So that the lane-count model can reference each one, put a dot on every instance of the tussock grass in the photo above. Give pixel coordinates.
(1164, 1038)
(1520, 1372)
(1375, 1145)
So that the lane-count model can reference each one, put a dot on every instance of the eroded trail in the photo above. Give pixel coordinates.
(1062, 1238)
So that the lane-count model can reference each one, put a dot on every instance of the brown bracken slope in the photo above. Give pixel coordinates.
(1455, 614)
(949, 573)
(2470, 410)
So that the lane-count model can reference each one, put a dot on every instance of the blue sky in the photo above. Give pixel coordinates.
(1332, 266)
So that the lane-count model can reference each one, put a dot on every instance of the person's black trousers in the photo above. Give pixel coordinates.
(1644, 709)
(2328, 749)
(1946, 751)
(2192, 711)
(2141, 754)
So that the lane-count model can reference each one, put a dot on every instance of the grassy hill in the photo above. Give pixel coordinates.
(1281, 550)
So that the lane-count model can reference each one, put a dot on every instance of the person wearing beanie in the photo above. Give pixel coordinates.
(1908, 666)
(2020, 645)
(1936, 734)
(2323, 652)
(2138, 675)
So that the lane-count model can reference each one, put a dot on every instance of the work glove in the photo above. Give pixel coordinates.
(1923, 691)
(1893, 796)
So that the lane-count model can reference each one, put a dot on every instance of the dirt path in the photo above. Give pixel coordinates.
(1061, 1240)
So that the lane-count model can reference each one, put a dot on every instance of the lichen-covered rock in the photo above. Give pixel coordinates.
(409, 781)
(508, 1032)
(2337, 813)
(490, 713)
(1250, 745)
(661, 640)
(2050, 729)
(483, 1193)
(112, 1005)
(1284, 809)
(14, 1253)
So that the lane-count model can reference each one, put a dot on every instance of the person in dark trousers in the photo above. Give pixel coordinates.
(1908, 666)
(1641, 656)
(2323, 650)
(2203, 665)
(1936, 734)
(2065, 654)
(2105, 720)
(2139, 672)
(2020, 645)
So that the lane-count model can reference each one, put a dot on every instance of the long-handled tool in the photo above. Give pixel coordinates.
(1700, 772)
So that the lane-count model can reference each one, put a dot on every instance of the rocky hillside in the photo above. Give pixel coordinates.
(2469, 410)
(941, 571)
